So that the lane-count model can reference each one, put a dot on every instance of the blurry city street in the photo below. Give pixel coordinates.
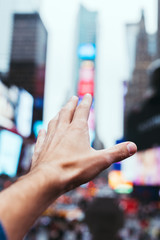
(51, 50)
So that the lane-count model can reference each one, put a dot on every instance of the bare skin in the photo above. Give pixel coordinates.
(63, 160)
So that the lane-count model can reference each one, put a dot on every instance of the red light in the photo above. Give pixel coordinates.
(85, 87)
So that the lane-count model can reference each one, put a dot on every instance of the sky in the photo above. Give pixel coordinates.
(60, 20)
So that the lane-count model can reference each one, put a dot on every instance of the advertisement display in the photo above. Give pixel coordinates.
(85, 87)
(144, 167)
(86, 74)
(87, 51)
(8, 101)
(24, 113)
(10, 149)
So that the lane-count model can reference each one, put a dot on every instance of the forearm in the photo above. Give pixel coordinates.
(23, 202)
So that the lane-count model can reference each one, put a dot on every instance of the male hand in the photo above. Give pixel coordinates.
(64, 154)
(63, 160)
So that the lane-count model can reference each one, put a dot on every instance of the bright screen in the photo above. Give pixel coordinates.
(143, 168)
(10, 149)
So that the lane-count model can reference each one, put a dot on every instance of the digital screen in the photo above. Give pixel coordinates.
(24, 113)
(87, 51)
(10, 149)
(86, 74)
(143, 168)
(85, 87)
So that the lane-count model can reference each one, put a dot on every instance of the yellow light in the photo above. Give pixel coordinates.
(117, 182)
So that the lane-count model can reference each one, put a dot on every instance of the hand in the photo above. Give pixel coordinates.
(64, 153)
(63, 160)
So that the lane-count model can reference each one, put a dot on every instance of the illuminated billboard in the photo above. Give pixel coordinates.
(86, 74)
(87, 51)
(10, 149)
(85, 87)
(24, 113)
(144, 167)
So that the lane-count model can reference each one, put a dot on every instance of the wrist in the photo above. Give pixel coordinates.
(47, 180)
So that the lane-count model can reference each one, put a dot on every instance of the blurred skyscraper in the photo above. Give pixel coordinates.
(87, 22)
(142, 49)
(141, 111)
(23, 46)
(7, 9)
(86, 38)
(131, 34)
(28, 57)
(86, 65)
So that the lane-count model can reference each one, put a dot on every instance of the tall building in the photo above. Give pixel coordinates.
(137, 87)
(86, 65)
(7, 9)
(86, 38)
(87, 23)
(132, 30)
(6, 34)
(28, 58)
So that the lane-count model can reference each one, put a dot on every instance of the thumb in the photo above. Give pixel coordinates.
(117, 153)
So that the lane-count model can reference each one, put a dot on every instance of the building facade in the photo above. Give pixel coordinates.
(28, 58)
(144, 52)
(86, 65)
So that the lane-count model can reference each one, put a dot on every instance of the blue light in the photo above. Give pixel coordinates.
(38, 125)
(87, 51)
(10, 149)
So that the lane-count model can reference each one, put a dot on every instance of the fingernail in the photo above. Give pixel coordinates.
(132, 148)
(74, 98)
(88, 95)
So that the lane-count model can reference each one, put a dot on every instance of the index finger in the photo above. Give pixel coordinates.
(82, 111)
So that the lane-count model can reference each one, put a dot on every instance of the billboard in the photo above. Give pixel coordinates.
(86, 74)
(144, 167)
(10, 149)
(24, 113)
(87, 51)
(85, 87)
